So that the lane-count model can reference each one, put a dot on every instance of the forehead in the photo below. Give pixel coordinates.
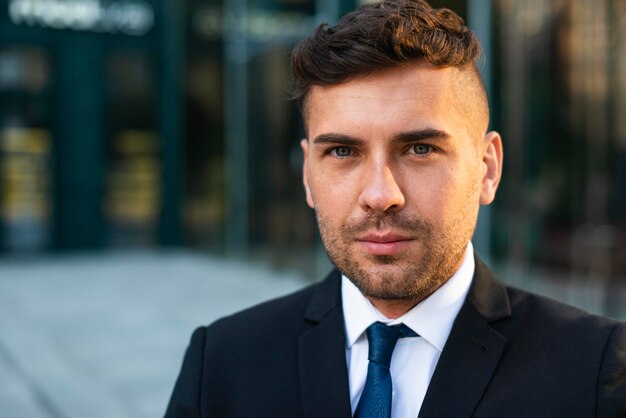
(402, 97)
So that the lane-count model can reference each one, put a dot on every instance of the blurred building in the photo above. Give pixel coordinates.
(560, 102)
(147, 123)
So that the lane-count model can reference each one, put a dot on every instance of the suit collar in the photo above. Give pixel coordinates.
(326, 298)
(488, 295)
(321, 354)
(472, 351)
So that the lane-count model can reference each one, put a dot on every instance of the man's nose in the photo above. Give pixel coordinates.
(381, 191)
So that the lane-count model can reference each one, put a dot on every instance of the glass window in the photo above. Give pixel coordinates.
(133, 174)
(25, 149)
(205, 194)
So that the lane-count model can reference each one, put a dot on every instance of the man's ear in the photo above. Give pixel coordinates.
(492, 158)
(305, 177)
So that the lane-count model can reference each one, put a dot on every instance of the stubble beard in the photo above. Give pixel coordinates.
(410, 276)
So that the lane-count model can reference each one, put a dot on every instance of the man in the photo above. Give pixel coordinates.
(397, 161)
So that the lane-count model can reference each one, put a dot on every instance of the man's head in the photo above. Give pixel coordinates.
(397, 158)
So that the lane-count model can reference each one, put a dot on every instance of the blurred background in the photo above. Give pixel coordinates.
(150, 177)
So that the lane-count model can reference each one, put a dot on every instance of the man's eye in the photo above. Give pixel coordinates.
(341, 152)
(421, 149)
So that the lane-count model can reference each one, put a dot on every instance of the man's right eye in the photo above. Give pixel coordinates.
(341, 152)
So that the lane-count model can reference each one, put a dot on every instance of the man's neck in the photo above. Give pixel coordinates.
(393, 309)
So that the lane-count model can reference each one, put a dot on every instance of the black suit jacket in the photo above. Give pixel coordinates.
(509, 354)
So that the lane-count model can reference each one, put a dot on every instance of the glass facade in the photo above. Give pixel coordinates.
(80, 162)
(204, 213)
(243, 191)
(560, 217)
(25, 148)
(132, 200)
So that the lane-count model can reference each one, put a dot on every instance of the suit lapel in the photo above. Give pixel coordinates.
(472, 351)
(322, 360)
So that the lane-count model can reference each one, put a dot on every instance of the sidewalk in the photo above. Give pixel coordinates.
(102, 336)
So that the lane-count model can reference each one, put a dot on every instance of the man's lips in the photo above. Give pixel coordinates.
(387, 243)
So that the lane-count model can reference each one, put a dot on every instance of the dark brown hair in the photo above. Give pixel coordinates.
(377, 36)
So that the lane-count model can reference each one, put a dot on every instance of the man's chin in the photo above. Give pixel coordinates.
(383, 284)
(388, 296)
(384, 260)
(374, 293)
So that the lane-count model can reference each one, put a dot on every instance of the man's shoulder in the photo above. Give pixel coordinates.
(273, 309)
(548, 321)
(552, 312)
(285, 314)
(509, 306)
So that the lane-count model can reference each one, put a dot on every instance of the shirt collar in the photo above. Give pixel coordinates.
(432, 318)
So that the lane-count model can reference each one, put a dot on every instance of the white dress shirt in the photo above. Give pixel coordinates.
(414, 359)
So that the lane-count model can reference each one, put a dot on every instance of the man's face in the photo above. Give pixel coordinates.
(396, 170)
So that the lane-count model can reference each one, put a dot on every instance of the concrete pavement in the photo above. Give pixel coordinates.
(103, 335)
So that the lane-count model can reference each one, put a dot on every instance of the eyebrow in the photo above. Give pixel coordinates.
(403, 137)
(414, 136)
(333, 138)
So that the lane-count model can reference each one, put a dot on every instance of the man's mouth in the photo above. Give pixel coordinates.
(384, 243)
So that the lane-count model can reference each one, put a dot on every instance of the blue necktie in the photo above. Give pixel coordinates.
(375, 400)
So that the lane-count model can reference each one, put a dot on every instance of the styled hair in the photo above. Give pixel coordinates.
(378, 36)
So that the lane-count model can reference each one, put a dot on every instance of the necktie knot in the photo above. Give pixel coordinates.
(382, 340)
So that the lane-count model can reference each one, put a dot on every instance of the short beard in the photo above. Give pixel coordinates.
(440, 256)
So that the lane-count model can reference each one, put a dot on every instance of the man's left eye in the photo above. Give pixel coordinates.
(342, 152)
(421, 149)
